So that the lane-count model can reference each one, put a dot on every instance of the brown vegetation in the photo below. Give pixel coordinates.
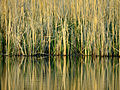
(88, 27)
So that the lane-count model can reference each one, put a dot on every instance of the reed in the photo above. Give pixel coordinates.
(0, 43)
(88, 27)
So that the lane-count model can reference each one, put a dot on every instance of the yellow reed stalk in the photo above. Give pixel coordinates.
(29, 42)
(0, 43)
(86, 27)
(64, 36)
(25, 47)
(48, 26)
(119, 28)
(113, 34)
(67, 37)
(22, 12)
(88, 42)
(119, 38)
(49, 37)
(102, 39)
(56, 37)
(8, 33)
(81, 39)
(94, 28)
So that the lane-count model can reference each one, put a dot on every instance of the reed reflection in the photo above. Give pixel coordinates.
(59, 73)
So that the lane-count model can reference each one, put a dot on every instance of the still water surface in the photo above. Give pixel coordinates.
(59, 73)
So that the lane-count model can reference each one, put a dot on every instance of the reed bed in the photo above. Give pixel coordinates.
(60, 27)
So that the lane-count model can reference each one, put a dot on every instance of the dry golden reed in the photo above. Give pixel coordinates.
(60, 27)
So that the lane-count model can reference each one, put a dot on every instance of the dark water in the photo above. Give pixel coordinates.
(59, 73)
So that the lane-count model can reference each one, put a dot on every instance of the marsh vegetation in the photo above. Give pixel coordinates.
(60, 27)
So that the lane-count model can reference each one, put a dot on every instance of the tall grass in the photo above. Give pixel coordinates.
(88, 27)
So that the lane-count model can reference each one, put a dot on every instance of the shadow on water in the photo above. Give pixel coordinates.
(59, 73)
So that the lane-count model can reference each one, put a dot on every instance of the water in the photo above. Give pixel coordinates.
(59, 73)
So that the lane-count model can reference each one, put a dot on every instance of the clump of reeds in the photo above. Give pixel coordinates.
(88, 27)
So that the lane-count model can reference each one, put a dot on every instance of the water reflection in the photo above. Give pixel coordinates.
(59, 73)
